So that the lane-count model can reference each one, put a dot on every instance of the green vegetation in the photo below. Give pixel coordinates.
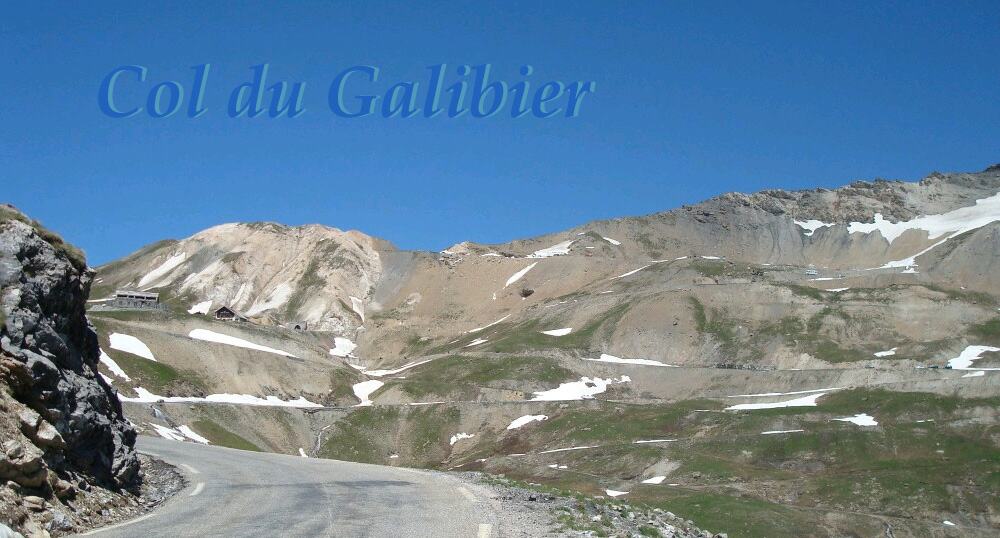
(610, 423)
(154, 376)
(527, 336)
(362, 435)
(428, 432)
(73, 254)
(987, 333)
(218, 435)
(716, 324)
(740, 516)
(448, 374)
(965, 295)
(709, 268)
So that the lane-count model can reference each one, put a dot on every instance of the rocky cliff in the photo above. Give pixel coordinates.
(62, 426)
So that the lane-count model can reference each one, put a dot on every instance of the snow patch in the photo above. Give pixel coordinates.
(567, 449)
(365, 389)
(584, 389)
(477, 329)
(775, 432)
(518, 275)
(862, 419)
(211, 336)
(144, 396)
(526, 419)
(559, 249)
(654, 480)
(632, 272)
(476, 342)
(810, 226)
(614, 242)
(459, 436)
(302, 453)
(167, 433)
(977, 373)
(613, 493)
(558, 332)
(200, 308)
(618, 360)
(766, 394)
(886, 353)
(186, 431)
(169, 265)
(130, 344)
(648, 441)
(971, 353)
(380, 373)
(805, 401)
(343, 347)
(113, 366)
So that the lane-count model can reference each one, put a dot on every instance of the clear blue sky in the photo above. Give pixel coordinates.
(692, 100)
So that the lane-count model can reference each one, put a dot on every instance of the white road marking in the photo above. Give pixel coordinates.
(485, 530)
(102, 529)
(467, 494)
(190, 469)
(197, 489)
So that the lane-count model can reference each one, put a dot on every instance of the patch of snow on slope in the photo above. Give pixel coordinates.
(144, 396)
(343, 347)
(612, 241)
(805, 401)
(559, 249)
(584, 389)
(476, 342)
(558, 332)
(526, 419)
(302, 453)
(861, 419)
(210, 336)
(969, 354)
(477, 329)
(130, 344)
(113, 366)
(359, 307)
(200, 308)
(775, 432)
(169, 265)
(278, 297)
(613, 493)
(567, 449)
(945, 225)
(977, 373)
(365, 389)
(632, 272)
(837, 290)
(380, 373)
(654, 480)
(648, 441)
(810, 226)
(618, 360)
(190, 434)
(167, 433)
(517, 276)
(459, 436)
(886, 353)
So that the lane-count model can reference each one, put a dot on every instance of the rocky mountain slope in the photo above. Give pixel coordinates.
(65, 440)
(774, 364)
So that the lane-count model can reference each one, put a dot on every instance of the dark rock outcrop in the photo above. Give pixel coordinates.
(48, 364)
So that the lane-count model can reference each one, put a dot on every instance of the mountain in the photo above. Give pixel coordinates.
(774, 356)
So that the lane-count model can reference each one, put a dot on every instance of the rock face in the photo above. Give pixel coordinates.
(62, 423)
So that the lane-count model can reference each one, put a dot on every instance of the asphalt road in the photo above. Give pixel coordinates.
(238, 493)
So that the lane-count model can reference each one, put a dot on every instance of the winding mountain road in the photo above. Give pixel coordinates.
(239, 493)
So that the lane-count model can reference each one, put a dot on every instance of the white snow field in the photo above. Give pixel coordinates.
(559, 249)
(113, 366)
(526, 419)
(365, 389)
(618, 360)
(584, 389)
(558, 332)
(342, 347)
(130, 344)
(200, 308)
(214, 337)
(144, 396)
(861, 419)
(518, 275)
(805, 401)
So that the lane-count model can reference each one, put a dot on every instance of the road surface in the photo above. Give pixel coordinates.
(239, 493)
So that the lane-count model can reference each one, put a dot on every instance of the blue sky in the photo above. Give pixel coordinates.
(692, 99)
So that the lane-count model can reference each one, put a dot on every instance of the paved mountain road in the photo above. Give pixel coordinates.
(239, 493)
